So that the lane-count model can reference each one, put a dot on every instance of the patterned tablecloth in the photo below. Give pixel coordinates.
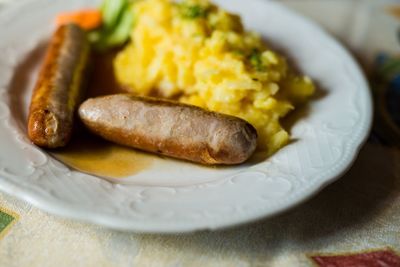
(354, 222)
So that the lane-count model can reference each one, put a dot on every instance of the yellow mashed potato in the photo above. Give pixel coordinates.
(197, 53)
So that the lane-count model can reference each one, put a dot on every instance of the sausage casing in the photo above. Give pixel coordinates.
(170, 128)
(59, 88)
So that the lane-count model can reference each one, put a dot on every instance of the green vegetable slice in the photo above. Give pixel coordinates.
(117, 25)
(111, 11)
(119, 35)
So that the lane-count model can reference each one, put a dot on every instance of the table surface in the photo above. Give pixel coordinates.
(353, 222)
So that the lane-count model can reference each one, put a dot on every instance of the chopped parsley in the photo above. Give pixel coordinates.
(193, 11)
(256, 61)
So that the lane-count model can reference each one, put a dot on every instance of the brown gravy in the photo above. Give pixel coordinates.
(91, 154)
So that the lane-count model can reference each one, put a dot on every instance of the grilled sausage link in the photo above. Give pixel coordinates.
(60, 87)
(169, 128)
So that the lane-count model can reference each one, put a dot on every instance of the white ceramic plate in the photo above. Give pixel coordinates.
(174, 196)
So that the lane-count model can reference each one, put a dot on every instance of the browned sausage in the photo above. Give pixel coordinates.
(169, 128)
(59, 88)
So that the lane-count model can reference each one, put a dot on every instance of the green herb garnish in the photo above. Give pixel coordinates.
(192, 11)
(256, 61)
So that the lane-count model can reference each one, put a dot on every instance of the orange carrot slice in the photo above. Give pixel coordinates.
(88, 19)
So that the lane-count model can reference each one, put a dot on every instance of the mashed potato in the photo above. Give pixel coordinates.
(197, 53)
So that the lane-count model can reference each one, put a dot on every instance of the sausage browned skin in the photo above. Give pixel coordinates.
(169, 128)
(59, 88)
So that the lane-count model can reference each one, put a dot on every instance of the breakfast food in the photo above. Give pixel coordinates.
(220, 91)
(59, 88)
(199, 54)
(169, 128)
